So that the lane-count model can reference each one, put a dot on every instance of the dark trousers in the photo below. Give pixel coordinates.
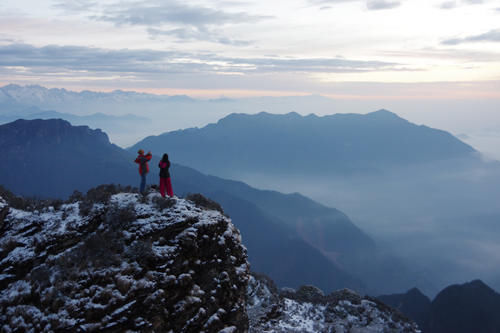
(143, 182)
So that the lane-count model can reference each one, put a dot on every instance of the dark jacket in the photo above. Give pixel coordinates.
(142, 160)
(164, 166)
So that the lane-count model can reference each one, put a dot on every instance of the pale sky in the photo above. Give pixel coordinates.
(352, 49)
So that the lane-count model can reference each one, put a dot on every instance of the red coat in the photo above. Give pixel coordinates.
(142, 160)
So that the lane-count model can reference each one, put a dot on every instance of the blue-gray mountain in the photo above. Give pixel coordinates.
(470, 307)
(242, 144)
(52, 158)
(290, 237)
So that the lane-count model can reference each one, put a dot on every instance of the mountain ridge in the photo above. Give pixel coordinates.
(459, 308)
(265, 143)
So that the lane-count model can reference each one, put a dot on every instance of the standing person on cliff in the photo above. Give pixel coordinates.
(165, 182)
(143, 160)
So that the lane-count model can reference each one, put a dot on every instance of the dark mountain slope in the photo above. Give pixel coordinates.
(52, 158)
(303, 215)
(241, 144)
(413, 304)
(276, 249)
(471, 307)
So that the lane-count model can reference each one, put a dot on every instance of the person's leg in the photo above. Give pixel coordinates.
(163, 184)
(143, 183)
(170, 191)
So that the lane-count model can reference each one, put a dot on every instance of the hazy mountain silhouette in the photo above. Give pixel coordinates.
(51, 158)
(96, 120)
(342, 143)
(413, 304)
(470, 307)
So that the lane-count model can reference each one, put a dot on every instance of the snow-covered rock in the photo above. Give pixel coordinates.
(122, 263)
(308, 310)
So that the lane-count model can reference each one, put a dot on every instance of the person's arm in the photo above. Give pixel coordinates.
(149, 156)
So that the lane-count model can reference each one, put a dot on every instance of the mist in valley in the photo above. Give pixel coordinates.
(442, 219)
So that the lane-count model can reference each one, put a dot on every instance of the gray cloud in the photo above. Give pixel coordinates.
(490, 36)
(448, 5)
(166, 18)
(192, 33)
(83, 58)
(150, 62)
(318, 65)
(76, 5)
(370, 4)
(448, 53)
(157, 13)
(382, 4)
(330, 2)
(454, 4)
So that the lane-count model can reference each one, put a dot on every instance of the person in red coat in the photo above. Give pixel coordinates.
(165, 182)
(143, 160)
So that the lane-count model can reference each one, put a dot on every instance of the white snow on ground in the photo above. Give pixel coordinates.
(304, 317)
(24, 230)
(341, 312)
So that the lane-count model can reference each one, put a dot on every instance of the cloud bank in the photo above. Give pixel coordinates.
(490, 36)
(151, 61)
(370, 4)
(382, 4)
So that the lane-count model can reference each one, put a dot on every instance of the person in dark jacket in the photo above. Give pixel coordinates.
(165, 182)
(142, 160)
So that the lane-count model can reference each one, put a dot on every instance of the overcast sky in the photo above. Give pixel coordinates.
(348, 49)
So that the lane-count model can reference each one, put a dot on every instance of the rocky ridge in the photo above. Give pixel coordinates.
(114, 261)
(309, 310)
(121, 262)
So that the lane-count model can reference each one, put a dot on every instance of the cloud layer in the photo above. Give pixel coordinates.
(176, 19)
(150, 61)
(382, 4)
(370, 4)
(490, 36)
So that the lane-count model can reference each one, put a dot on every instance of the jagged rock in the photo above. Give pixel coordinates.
(129, 264)
(4, 210)
(308, 310)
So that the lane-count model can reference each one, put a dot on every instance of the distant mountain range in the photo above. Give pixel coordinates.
(96, 120)
(290, 237)
(242, 144)
(96, 110)
(35, 95)
(470, 307)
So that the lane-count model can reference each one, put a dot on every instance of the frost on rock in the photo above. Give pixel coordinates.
(308, 310)
(122, 263)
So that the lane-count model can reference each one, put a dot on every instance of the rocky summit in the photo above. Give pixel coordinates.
(119, 262)
(114, 261)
